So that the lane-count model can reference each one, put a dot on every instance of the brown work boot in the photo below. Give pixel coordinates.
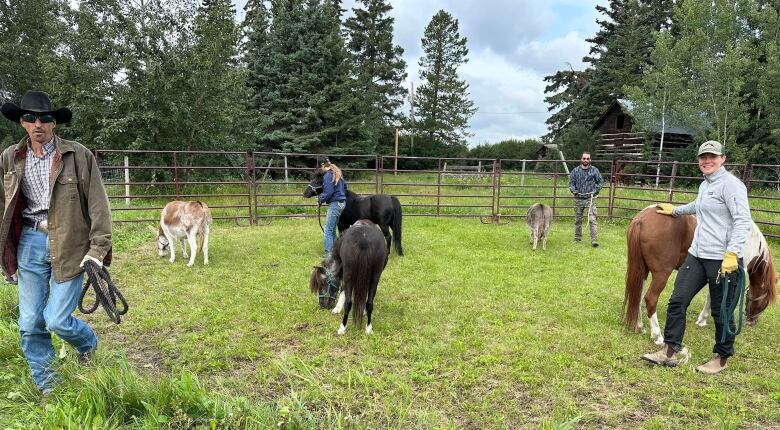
(714, 366)
(667, 357)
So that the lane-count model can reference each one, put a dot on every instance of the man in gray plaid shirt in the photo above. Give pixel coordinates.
(585, 182)
(56, 218)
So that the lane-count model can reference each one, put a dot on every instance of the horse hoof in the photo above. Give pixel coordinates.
(335, 311)
(369, 330)
(701, 323)
(341, 330)
(659, 341)
(170, 261)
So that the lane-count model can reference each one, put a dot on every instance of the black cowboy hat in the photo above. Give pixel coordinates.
(35, 102)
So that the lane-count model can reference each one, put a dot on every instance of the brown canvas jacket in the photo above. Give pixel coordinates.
(79, 220)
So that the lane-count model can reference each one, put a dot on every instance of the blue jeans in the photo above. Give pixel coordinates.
(332, 222)
(45, 307)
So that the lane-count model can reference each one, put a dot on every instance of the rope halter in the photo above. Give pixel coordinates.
(332, 288)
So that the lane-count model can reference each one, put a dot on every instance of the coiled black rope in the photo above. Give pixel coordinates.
(106, 293)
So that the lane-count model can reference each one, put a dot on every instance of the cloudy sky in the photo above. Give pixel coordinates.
(513, 45)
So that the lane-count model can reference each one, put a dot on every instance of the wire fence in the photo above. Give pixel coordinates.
(256, 187)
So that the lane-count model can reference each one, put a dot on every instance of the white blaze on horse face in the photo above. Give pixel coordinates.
(655, 330)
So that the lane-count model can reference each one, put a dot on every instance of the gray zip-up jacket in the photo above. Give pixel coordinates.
(722, 215)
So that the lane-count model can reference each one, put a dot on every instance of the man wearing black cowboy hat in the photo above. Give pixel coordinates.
(56, 218)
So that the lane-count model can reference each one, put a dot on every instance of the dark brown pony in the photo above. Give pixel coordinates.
(355, 263)
(658, 244)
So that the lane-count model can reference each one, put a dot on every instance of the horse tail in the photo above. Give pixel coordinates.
(636, 273)
(361, 283)
(396, 226)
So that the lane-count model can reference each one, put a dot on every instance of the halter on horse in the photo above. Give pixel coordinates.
(356, 263)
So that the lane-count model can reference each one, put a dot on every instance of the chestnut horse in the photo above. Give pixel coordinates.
(658, 244)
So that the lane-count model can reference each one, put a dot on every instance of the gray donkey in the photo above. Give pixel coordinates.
(539, 218)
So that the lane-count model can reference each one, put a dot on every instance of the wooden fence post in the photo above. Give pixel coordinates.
(671, 182)
(127, 180)
(612, 181)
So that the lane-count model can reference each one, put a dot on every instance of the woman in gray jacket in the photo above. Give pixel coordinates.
(723, 223)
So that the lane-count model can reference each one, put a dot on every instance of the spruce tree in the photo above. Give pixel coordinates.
(377, 65)
(31, 49)
(443, 103)
(299, 80)
(619, 54)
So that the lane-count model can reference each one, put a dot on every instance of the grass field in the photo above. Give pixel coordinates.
(471, 330)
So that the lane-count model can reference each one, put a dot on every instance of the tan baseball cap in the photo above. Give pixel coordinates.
(711, 147)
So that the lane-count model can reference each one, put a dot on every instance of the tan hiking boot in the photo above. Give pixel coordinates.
(714, 366)
(662, 357)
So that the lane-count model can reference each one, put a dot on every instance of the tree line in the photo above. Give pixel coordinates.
(293, 76)
(712, 66)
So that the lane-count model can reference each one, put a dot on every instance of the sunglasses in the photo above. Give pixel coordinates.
(31, 117)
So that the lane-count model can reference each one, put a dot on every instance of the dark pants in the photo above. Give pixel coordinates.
(691, 278)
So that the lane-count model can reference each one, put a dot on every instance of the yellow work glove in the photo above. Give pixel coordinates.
(729, 263)
(665, 208)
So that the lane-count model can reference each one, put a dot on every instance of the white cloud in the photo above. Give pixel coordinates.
(513, 44)
(553, 55)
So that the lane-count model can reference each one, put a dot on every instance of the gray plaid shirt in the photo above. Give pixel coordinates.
(35, 182)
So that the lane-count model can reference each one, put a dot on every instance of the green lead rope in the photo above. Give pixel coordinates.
(726, 311)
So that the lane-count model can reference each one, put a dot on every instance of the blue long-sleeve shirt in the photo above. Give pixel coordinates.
(722, 214)
(332, 192)
(585, 181)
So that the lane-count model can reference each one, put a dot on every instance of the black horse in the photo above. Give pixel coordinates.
(356, 263)
(383, 210)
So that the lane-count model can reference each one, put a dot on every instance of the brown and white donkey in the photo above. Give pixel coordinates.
(183, 221)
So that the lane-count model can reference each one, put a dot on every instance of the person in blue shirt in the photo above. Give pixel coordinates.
(334, 193)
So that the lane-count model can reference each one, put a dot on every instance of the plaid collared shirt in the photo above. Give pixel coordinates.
(35, 182)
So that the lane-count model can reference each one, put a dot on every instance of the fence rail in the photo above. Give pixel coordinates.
(253, 187)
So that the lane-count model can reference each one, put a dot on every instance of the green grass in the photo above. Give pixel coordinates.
(471, 330)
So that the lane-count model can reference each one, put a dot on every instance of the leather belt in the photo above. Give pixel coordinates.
(41, 226)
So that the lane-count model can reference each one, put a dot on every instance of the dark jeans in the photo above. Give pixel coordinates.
(693, 274)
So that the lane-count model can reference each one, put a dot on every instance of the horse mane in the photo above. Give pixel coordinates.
(771, 278)
(763, 274)
(315, 282)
